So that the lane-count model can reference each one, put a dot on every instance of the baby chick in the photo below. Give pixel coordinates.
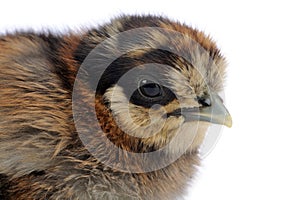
(114, 112)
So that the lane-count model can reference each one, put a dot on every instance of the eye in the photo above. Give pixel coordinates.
(204, 101)
(149, 88)
(151, 92)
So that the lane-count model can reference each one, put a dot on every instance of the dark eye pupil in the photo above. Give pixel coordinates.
(204, 101)
(150, 89)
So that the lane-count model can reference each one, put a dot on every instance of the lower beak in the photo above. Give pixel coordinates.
(215, 113)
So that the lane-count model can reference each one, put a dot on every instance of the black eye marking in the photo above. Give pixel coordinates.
(150, 89)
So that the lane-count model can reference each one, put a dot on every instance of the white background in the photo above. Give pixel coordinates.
(259, 157)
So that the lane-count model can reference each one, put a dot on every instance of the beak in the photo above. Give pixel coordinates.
(215, 113)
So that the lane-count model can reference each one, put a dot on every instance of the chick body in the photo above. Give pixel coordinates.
(41, 154)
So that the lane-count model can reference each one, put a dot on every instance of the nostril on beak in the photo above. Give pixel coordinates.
(204, 101)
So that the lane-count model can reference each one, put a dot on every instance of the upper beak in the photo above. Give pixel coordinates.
(215, 113)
